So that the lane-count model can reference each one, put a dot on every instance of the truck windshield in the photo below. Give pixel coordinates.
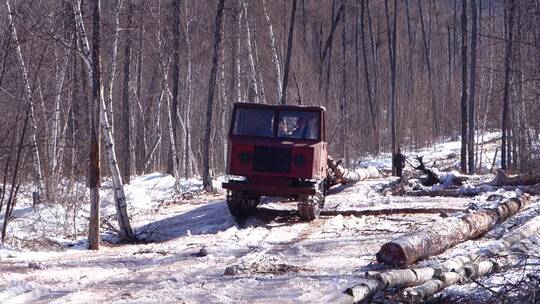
(298, 125)
(254, 122)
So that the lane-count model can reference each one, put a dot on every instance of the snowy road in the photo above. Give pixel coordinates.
(272, 257)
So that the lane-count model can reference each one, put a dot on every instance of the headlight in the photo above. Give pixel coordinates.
(299, 160)
(245, 157)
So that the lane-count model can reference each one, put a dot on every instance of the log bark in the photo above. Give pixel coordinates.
(467, 267)
(364, 212)
(396, 278)
(345, 176)
(426, 281)
(440, 236)
(526, 230)
(502, 179)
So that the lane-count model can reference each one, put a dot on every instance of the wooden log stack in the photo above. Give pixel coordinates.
(435, 239)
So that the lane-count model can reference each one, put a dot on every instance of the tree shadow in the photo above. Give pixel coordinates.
(209, 219)
(206, 219)
(339, 188)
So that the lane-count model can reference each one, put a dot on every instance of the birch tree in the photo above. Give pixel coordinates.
(40, 191)
(92, 65)
(275, 58)
(253, 73)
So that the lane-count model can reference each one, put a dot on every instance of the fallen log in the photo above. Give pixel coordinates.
(426, 281)
(502, 179)
(442, 235)
(469, 268)
(391, 211)
(440, 192)
(526, 230)
(532, 190)
(471, 192)
(376, 282)
(346, 176)
(365, 212)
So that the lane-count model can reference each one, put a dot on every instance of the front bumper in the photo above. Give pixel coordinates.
(269, 190)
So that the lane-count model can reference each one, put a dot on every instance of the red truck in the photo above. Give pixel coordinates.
(277, 151)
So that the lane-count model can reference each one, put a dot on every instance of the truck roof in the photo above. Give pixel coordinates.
(278, 107)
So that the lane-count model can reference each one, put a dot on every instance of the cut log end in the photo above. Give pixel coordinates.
(392, 254)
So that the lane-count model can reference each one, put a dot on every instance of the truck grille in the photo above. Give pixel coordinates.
(272, 160)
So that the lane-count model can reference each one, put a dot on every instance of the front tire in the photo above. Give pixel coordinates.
(242, 204)
(309, 208)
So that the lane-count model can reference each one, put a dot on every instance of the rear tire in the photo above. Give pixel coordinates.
(242, 204)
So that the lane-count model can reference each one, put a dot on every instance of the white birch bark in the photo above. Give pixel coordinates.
(118, 188)
(158, 133)
(28, 96)
(176, 166)
(111, 75)
(191, 166)
(237, 56)
(56, 119)
(259, 74)
(275, 58)
(250, 54)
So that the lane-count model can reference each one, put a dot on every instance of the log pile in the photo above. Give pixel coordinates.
(528, 183)
(440, 236)
(422, 283)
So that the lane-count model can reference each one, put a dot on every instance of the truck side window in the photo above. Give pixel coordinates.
(298, 125)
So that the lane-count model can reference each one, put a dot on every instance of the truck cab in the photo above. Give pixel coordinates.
(276, 150)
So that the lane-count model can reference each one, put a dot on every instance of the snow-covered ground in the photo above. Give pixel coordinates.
(192, 250)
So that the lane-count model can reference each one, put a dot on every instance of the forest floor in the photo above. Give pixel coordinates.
(193, 251)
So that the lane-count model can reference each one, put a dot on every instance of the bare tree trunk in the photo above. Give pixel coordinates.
(343, 105)
(507, 64)
(275, 57)
(375, 62)
(14, 188)
(472, 91)
(366, 68)
(126, 114)
(28, 96)
(253, 74)
(463, 86)
(175, 85)
(427, 53)
(207, 178)
(92, 67)
(56, 120)
(190, 166)
(289, 53)
(238, 14)
(94, 71)
(391, 33)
